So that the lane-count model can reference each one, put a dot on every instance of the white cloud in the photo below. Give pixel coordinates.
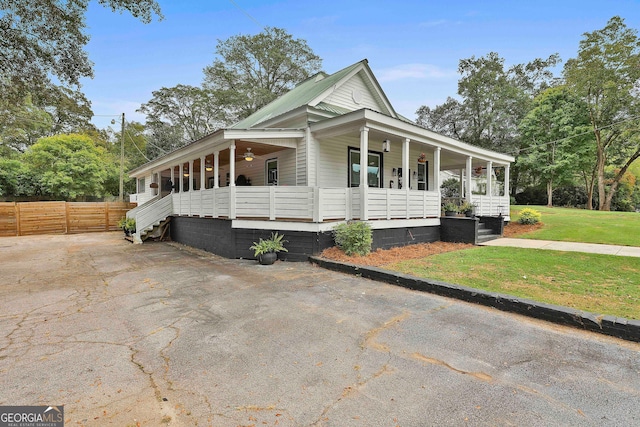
(413, 71)
(433, 23)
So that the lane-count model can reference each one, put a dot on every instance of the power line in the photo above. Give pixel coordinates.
(247, 14)
(531, 147)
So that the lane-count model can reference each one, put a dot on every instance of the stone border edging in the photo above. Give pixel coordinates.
(619, 327)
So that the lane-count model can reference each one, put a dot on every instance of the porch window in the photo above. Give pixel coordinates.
(141, 185)
(271, 172)
(423, 178)
(374, 168)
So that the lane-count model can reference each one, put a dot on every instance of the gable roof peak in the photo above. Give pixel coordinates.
(313, 91)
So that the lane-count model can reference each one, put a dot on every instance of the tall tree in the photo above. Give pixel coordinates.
(21, 124)
(554, 133)
(493, 101)
(69, 167)
(251, 71)
(162, 138)
(195, 111)
(605, 75)
(43, 38)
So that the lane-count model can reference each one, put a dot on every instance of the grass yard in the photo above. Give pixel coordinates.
(602, 284)
(580, 225)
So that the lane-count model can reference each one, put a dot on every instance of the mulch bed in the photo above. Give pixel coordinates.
(381, 257)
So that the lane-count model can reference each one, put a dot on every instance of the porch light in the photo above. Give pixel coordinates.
(386, 145)
(248, 156)
(208, 167)
(186, 174)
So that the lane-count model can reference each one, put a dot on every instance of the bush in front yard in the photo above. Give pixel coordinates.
(529, 216)
(354, 237)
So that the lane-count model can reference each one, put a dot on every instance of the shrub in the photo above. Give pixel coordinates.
(529, 216)
(272, 244)
(354, 237)
(450, 207)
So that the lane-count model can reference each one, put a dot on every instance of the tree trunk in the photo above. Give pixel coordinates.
(550, 193)
(617, 178)
(602, 194)
(588, 185)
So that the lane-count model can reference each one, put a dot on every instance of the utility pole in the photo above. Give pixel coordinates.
(121, 194)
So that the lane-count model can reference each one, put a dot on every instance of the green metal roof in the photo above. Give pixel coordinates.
(301, 95)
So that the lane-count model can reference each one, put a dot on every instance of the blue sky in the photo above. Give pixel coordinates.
(413, 47)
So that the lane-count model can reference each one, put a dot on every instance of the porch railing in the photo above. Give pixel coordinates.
(305, 203)
(491, 205)
(309, 204)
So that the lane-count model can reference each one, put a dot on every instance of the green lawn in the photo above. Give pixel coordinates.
(580, 225)
(602, 284)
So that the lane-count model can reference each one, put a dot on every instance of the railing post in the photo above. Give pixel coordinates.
(272, 202)
(388, 193)
(232, 202)
(348, 212)
(215, 204)
(317, 205)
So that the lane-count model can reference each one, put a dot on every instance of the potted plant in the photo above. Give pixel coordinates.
(450, 209)
(467, 209)
(266, 251)
(128, 225)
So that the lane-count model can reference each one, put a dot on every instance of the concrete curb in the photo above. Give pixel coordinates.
(619, 327)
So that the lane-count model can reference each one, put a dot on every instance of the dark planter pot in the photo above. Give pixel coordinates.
(469, 214)
(450, 213)
(268, 258)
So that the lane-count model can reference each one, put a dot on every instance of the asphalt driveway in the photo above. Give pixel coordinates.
(159, 334)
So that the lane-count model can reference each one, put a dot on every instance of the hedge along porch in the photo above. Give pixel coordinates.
(295, 167)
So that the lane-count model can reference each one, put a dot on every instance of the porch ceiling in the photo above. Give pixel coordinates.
(258, 149)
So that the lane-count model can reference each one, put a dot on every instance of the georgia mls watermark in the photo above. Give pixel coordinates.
(32, 416)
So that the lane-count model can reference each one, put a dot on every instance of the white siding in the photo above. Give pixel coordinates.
(343, 96)
(333, 158)
(332, 161)
(301, 160)
(148, 192)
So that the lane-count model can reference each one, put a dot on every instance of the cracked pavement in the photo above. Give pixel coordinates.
(161, 334)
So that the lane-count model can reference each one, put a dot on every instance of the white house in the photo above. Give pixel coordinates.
(295, 167)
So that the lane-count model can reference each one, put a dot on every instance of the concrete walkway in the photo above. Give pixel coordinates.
(592, 248)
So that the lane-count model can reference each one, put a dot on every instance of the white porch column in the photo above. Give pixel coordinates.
(216, 184)
(232, 165)
(436, 175)
(364, 156)
(506, 180)
(202, 174)
(468, 173)
(180, 185)
(364, 170)
(436, 170)
(489, 190)
(173, 179)
(191, 186)
(232, 181)
(406, 178)
(216, 169)
(462, 187)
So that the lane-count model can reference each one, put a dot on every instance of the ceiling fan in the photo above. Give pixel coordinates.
(248, 156)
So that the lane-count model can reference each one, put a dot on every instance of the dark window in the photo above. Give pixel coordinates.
(374, 168)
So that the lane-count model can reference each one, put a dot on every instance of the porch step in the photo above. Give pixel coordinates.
(157, 230)
(484, 231)
(486, 237)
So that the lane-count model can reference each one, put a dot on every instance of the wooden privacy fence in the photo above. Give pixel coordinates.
(28, 218)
